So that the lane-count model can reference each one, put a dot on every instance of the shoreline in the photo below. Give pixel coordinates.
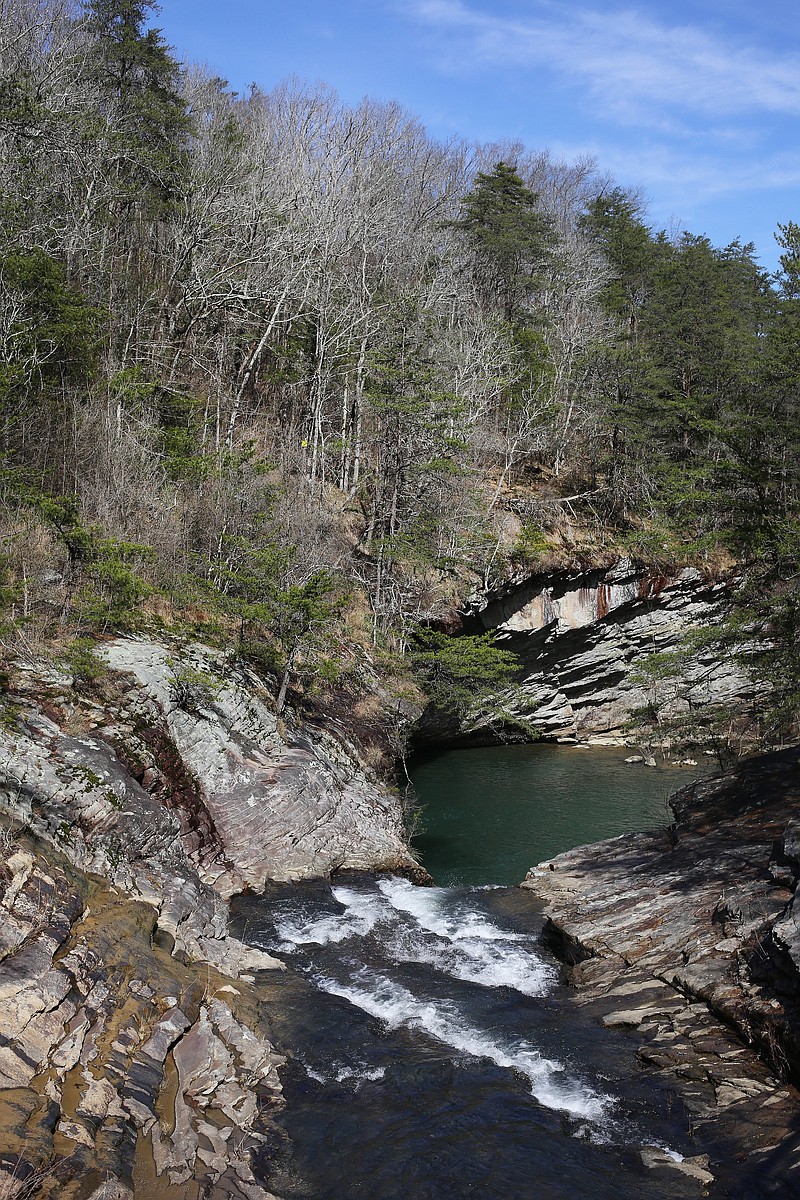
(678, 938)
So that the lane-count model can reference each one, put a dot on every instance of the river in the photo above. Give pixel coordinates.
(434, 1050)
(488, 814)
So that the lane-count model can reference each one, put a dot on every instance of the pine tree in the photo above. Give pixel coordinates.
(613, 222)
(511, 236)
(137, 82)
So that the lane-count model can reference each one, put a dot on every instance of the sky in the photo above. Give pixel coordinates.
(696, 105)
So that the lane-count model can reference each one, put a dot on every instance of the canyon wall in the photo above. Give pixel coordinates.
(583, 637)
(178, 765)
(133, 1054)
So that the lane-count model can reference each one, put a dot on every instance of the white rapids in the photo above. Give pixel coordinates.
(454, 939)
(398, 1007)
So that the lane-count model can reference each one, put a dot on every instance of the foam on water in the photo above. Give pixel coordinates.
(355, 1073)
(360, 1074)
(397, 1007)
(415, 927)
(426, 906)
(359, 918)
(476, 961)
(461, 943)
(362, 944)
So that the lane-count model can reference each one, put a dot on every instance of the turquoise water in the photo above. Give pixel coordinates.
(488, 814)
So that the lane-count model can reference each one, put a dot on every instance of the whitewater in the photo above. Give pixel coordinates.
(430, 1031)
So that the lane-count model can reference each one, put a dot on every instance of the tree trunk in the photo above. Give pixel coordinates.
(287, 671)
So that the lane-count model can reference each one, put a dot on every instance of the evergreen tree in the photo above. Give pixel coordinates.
(630, 375)
(705, 325)
(511, 236)
(137, 84)
(613, 222)
(135, 141)
(460, 674)
(781, 393)
(49, 342)
(769, 532)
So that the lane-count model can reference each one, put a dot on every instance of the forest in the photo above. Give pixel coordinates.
(292, 375)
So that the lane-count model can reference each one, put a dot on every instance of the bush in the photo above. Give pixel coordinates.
(456, 673)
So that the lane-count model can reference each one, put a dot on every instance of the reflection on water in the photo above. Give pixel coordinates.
(489, 814)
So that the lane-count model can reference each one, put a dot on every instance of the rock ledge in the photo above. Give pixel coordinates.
(689, 939)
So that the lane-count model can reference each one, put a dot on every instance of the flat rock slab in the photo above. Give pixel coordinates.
(676, 937)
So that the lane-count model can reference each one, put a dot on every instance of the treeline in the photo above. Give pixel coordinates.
(268, 360)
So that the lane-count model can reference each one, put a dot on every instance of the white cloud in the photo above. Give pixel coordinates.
(677, 177)
(630, 63)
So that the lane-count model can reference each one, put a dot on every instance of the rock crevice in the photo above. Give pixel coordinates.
(688, 938)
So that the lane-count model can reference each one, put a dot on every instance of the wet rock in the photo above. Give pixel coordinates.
(232, 801)
(689, 941)
(110, 1047)
(694, 1168)
(127, 1049)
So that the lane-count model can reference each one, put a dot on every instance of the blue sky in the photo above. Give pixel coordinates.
(697, 104)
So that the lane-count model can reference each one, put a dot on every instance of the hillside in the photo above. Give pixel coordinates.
(290, 373)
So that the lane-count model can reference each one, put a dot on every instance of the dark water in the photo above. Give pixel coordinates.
(489, 814)
(437, 1056)
(434, 1051)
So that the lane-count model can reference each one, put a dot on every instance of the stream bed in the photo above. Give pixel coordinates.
(434, 1050)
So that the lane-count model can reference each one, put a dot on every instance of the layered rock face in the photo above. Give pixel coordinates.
(132, 1061)
(182, 771)
(123, 1072)
(581, 637)
(690, 939)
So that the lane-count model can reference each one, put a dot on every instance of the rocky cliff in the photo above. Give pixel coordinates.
(690, 939)
(132, 1058)
(179, 766)
(124, 1070)
(581, 636)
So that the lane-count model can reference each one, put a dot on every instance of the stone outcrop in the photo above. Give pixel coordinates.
(582, 635)
(132, 1060)
(182, 772)
(123, 1071)
(688, 938)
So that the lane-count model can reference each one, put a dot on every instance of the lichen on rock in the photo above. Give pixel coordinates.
(131, 1046)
